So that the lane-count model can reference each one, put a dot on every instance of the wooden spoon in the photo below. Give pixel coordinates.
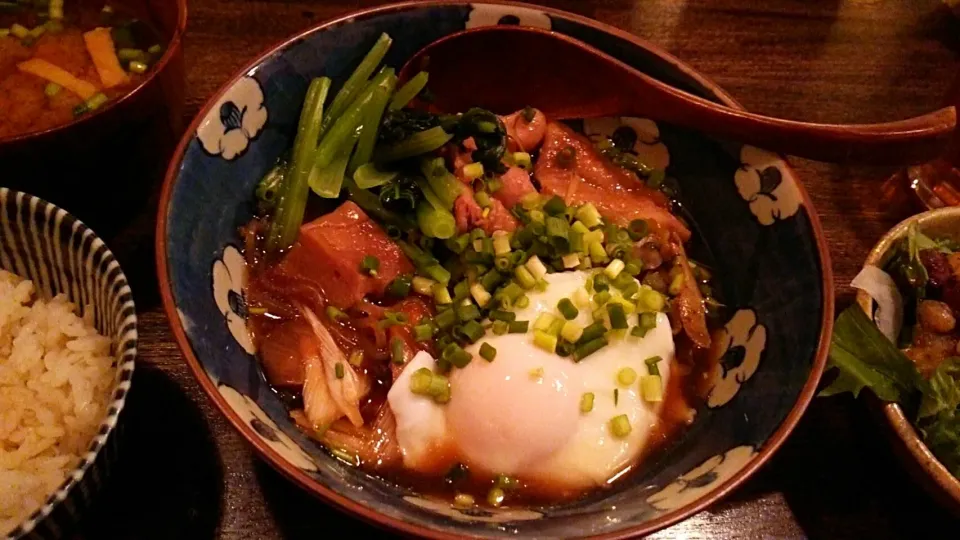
(504, 68)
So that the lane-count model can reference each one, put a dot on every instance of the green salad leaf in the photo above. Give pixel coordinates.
(863, 357)
(942, 391)
(941, 434)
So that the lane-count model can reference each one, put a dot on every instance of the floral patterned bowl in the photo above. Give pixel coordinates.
(754, 223)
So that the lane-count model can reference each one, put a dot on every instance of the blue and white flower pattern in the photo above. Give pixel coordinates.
(229, 279)
(640, 134)
(702, 479)
(735, 353)
(266, 429)
(236, 119)
(491, 15)
(765, 182)
(485, 515)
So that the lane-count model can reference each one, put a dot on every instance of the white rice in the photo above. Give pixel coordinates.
(56, 377)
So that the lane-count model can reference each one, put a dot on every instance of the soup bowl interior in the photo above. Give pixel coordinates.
(753, 225)
(920, 462)
(104, 165)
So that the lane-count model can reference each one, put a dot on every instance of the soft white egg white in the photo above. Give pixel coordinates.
(520, 414)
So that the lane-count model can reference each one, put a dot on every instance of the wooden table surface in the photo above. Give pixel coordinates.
(186, 474)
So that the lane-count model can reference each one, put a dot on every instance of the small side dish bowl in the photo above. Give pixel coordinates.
(921, 463)
(749, 212)
(104, 166)
(61, 256)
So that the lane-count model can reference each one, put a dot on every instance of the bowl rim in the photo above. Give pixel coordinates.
(371, 515)
(126, 364)
(893, 415)
(173, 48)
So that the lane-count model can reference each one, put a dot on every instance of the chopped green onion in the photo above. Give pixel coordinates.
(468, 312)
(483, 200)
(420, 381)
(567, 309)
(338, 369)
(487, 351)
(554, 206)
(356, 357)
(334, 314)
(423, 332)
(410, 90)
(471, 331)
(525, 277)
(522, 301)
(500, 327)
(445, 319)
(648, 320)
(370, 265)
(536, 373)
(473, 171)
(56, 9)
(369, 176)
(633, 267)
(620, 426)
(51, 89)
(441, 295)
(581, 298)
(556, 326)
(396, 351)
(638, 331)
(138, 67)
(592, 332)
(501, 242)
(571, 331)
(523, 160)
(155, 49)
(618, 318)
(518, 327)
(501, 315)
(637, 229)
(601, 298)
(650, 300)
(423, 285)
(571, 260)
(588, 348)
(488, 282)
(495, 497)
(544, 322)
(458, 244)
(651, 363)
(597, 253)
(614, 268)
(536, 267)
(586, 402)
(400, 286)
(463, 500)
(545, 341)
(651, 388)
(589, 215)
(127, 54)
(456, 355)
(626, 376)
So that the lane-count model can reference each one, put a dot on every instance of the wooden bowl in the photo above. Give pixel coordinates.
(103, 167)
(921, 463)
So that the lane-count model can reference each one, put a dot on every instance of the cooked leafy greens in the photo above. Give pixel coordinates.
(864, 358)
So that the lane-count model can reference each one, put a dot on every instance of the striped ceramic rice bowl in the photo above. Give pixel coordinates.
(67, 347)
